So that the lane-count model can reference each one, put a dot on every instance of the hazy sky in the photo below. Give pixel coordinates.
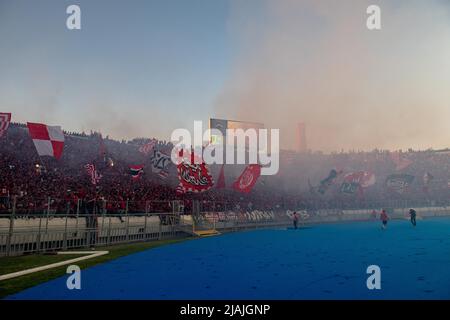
(144, 68)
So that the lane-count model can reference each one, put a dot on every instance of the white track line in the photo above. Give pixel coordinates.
(90, 255)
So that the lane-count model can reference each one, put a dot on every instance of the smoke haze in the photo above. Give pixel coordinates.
(148, 67)
(316, 62)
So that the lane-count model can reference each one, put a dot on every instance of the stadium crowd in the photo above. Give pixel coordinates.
(33, 180)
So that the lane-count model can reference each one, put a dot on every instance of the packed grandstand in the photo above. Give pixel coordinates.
(306, 181)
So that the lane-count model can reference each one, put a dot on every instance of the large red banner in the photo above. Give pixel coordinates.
(194, 177)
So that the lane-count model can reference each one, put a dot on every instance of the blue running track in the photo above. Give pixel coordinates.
(317, 262)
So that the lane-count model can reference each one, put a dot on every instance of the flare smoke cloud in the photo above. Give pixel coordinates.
(314, 61)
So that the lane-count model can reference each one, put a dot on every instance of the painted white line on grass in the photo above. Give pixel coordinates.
(89, 255)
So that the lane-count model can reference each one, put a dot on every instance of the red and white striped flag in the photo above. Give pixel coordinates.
(5, 119)
(163, 174)
(180, 190)
(95, 176)
(148, 147)
(48, 140)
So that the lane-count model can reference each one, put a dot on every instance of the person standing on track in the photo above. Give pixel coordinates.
(384, 219)
(412, 214)
(295, 219)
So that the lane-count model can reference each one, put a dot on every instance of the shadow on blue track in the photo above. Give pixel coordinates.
(320, 262)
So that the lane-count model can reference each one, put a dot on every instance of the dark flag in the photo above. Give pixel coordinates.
(160, 163)
(102, 148)
(399, 182)
(328, 181)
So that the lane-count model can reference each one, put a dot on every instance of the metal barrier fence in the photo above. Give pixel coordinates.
(51, 229)
(26, 206)
(44, 233)
(338, 215)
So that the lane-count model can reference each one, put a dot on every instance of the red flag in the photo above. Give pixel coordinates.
(5, 119)
(363, 178)
(148, 147)
(48, 140)
(221, 179)
(248, 178)
(194, 177)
